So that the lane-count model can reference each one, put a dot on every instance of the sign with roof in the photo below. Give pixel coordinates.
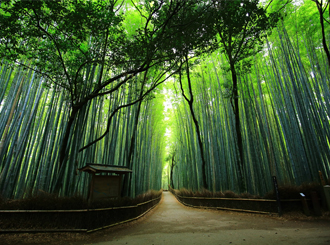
(106, 180)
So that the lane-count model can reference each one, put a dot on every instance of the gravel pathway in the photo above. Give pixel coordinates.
(172, 223)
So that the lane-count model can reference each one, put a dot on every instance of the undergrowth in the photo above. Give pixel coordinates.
(47, 201)
(285, 191)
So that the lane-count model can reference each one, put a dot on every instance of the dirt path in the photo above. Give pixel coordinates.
(173, 223)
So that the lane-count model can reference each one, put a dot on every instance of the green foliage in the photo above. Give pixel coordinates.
(242, 27)
(61, 37)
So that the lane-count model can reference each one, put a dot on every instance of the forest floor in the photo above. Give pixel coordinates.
(173, 223)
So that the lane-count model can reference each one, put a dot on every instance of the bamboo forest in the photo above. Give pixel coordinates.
(217, 95)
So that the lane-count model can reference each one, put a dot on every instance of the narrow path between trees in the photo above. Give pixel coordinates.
(173, 223)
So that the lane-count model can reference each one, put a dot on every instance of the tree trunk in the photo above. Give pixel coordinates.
(127, 177)
(172, 167)
(64, 144)
(200, 143)
(63, 151)
(240, 163)
(324, 42)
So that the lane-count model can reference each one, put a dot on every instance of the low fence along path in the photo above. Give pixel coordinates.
(173, 223)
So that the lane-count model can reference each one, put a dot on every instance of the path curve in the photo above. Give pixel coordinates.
(173, 223)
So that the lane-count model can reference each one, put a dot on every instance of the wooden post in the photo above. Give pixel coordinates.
(326, 191)
(316, 203)
(91, 190)
(119, 186)
(321, 178)
(279, 208)
(304, 204)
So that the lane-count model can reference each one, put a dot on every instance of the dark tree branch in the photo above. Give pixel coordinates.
(58, 51)
(156, 84)
(190, 103)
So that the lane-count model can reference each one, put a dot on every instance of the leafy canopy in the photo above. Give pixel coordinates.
(60, 39)
(242, 26)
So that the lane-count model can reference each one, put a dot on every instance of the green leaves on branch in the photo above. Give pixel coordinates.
(242, 27)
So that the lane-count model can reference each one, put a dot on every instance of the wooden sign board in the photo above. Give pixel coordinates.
(106, 186)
